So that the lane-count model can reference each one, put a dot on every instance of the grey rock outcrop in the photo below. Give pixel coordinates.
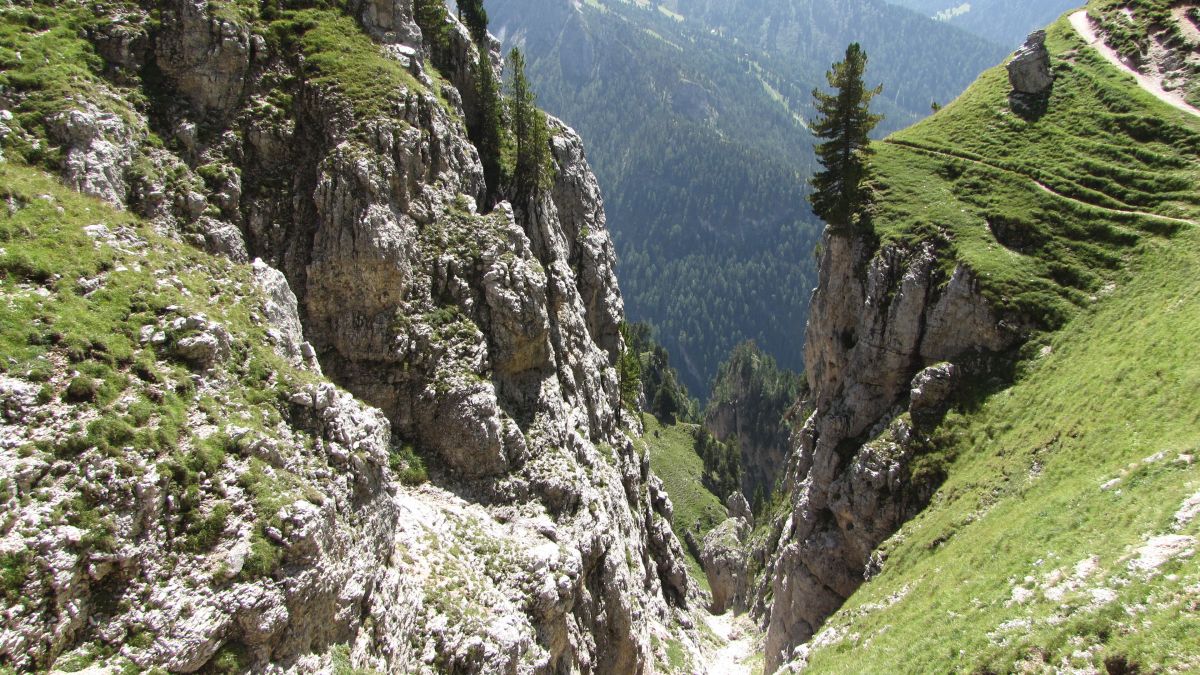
(389, 21)
(932, 387)
(202, 342)
(878, 319)
(725, 562)
(207, 57)
(99, 149)
(1029, 70)
(283, 312)
(739, 508)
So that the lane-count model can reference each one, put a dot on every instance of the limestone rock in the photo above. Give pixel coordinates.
(99, 150)
(389, 21)
(580, 210)
(200, 341)
(282, 310)
(206, 57)
(1029, 70)
(479, 343)
(878, 321)
(931, 387)
(17, 397)
(739, 508)
(223, 238)
(724, 560)
(466, 428)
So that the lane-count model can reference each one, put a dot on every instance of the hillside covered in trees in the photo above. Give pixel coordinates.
(1005, 22)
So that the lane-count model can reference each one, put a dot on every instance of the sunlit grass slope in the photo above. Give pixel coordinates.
(1035, 554)
(674, 460)
(1045, 208)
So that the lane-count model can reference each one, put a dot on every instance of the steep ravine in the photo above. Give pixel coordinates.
(886, 328)
(982, 260)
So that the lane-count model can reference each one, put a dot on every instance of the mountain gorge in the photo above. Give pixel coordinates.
(952, 499)
(695, 121)
(295, 376)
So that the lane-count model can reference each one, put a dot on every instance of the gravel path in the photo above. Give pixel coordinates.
(740, 636)
(1185, 24)
(1083, 26)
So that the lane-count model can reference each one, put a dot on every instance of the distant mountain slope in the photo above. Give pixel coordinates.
(696, 131)
(1005, 22)
(917, 60)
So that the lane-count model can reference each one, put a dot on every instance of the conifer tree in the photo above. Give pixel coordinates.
(845, 121)
(486, 133)
(431, 18)
(531, 131)
(472, 13)
(629, 370)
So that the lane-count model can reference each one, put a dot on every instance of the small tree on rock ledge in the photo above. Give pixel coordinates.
(839, 196)
(533, 171)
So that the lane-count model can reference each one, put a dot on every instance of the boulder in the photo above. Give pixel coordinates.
(724, 560)
(931, 387)
(1029, 71)
(739, 508)
(98, 151)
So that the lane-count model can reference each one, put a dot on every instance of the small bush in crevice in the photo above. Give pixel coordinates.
(14, 568)
(408, 465)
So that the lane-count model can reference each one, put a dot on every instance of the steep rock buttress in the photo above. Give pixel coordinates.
(480, 343)
(887, 330)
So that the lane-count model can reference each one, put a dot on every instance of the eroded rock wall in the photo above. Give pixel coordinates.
(879, 318)
(483, 343)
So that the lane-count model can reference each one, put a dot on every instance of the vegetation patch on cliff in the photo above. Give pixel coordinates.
(340, 57)
(673, 459)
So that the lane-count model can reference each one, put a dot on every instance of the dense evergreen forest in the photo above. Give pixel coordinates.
(697, 133)
(1005, 22)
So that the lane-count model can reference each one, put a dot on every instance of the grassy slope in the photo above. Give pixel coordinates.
(1023, 498)
(673, 459)
(82, 347)
(1103, 146)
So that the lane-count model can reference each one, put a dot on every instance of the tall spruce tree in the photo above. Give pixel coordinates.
(485, 124)
(486, 131)
(472, 13)
(531, 131)
(629, 371)
(431, 18)
(845, 121)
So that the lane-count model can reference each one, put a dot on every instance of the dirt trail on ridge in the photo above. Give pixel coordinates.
(1083, 25)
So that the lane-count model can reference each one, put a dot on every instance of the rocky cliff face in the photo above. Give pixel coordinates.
(883, 325)
(480, 344)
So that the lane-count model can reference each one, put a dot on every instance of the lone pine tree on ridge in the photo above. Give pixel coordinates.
(845, 121)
